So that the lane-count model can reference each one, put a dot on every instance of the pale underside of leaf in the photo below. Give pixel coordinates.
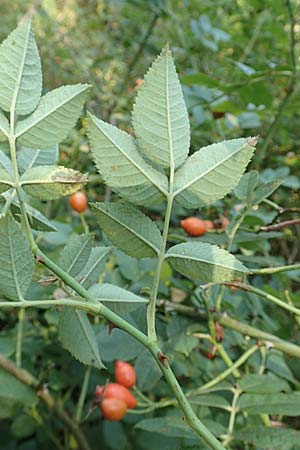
(212, 172)
(77, 336)
(55, 115)
(119, 162)
(129, 229)
(6, 182)
(4, 127)
(16, 260)
(20, 71)
(116, 298)
(198, 260)
(74, 256)
(160, 117)
(29, 157)
(94, 266)
(52, 182)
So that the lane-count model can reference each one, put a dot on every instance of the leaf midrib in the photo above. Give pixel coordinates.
(174, 255)
(79, 254)
(160, 188)
(94, 352)
(15, 274)
(19, 80)
(48, 112)
(150, 244)
(195, 180)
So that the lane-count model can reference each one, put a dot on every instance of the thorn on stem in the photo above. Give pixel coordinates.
(163, 359)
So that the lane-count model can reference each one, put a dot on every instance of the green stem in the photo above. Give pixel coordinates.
(153, 295)
(271, 270)
(184, 404)
(248, 330)
(226, 372)
(231, 236)
(21, 318)
(83, 393)
(226, 358)
(234, 409)
(102, 310)
(270, 297)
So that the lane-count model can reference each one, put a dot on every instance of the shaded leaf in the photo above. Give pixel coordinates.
(270, 438)
(94, 266)
(263, 384)
(245, 188)
(14, 391)
(6, 181)
(16, 260)
(77, 336)
(76, 253)
(205, 262)
(281, 404)
(128, 229)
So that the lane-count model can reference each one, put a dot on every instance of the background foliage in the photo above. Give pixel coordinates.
(237, 61)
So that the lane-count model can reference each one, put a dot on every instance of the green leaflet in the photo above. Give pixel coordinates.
(282, 404)
(94, 266)
(129, 229)
(160, 117)
(212, 172)
(74, 256)
(15, 392)
(263, 384)
(4, 127)
(20, 71)
(198, 260)
(16, 260)
(119, 162)
(167, 426)
(52, 182)
(77, 336)
(116, 298)
(29, 157)
(275, 438)
(245, 188)
(55, 115)
(6, 182)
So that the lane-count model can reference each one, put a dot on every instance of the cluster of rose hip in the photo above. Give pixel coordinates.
(197, 227)
(114, 399)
